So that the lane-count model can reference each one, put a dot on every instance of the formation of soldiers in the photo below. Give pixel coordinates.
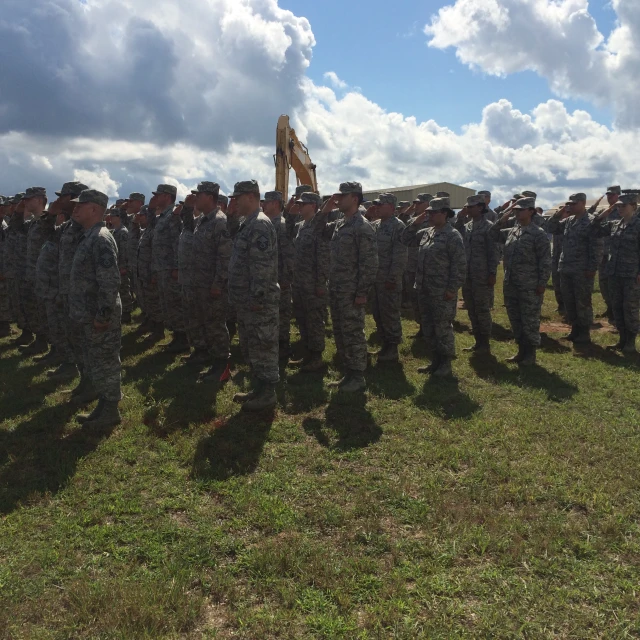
(212, 266)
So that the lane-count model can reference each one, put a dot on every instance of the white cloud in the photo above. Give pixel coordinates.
(334, 80)
(98, 179)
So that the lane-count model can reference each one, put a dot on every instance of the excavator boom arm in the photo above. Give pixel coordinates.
(292, 154)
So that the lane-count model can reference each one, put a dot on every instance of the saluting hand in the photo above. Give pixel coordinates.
(101, 327)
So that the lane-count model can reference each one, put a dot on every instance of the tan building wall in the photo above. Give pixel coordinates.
(458, 194)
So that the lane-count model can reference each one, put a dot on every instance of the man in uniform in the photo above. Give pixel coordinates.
(134, 204)
(95, 303)
(292, 209)
(482, 265)
(286, 255)
(254, 290)
(387, 288)
(166, 236)
(208, 279)
(354, 264)
(490, 215)
(121, 235)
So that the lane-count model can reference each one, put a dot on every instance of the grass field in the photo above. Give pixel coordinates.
(501, 504)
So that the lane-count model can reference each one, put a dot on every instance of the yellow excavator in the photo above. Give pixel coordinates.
(292, 154)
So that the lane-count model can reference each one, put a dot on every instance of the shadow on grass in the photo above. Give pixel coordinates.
(29, 397)
(302, 392)
(551, 345)
(500, 333)
(35, 459)
(388, 380)
(347, 424)
(489, 368)
(593, 351)
(443, 397)
(234, 448)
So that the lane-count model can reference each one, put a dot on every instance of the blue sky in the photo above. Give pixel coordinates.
(380, 47)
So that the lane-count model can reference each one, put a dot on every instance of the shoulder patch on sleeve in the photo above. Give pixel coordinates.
(262, 242)
(106, 259)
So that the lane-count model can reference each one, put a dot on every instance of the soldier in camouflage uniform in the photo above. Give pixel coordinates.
(387, 288)
(121, 236)
(556, 251)
(5, 303)
(482, 265)
(310, 276)
(208, 279)
(41, 228)
(353, 268)
(578, 265)
(254, 290)
(292, 209)
(286, 255)
(490, 214)
(134, 204)
(623, 266)
(94, 301)
(148, 295)
(441, 271)
(166, 236)
(527, 266)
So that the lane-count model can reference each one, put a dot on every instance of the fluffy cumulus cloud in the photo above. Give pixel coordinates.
(124, 95)
(558, 39)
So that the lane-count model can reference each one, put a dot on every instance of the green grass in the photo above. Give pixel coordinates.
(502, 504)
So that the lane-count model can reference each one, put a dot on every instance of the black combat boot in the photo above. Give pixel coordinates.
(630, 344)
(218, 372)
(390, 354)
(178, 344)
(622, 340)
(435, 363)
(518, 357)
(108, 416)
(314, 363)
(444, 368)
(571, 336)
(263, 400)
(84, 417)
(529, 358)
(583, 335)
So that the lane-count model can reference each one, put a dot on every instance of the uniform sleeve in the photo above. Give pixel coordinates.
(105, 256)
(555, 226)
(399, 256)
(287, 257)
(543, 255)
(493, 255)
(263, 262)
(409, 236)
(457, 262)
(367, 259)
(601, 228)
(223, 254)
(499, 235)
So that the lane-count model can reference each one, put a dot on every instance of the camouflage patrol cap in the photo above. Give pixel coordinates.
(517, 196)
(140, 197)
(144, 210)
(17, 198)
(309, 197)
(473, 201)
(349, 187)
(120, 202)
(484, 192)
(71, 189)
(165, 188)
(404, 203)
(423, 197)
(303, 188)
(529, 194)
(35, 192)
(439, 204)
(615, 190)
(94, 196)
(207, 187)
(628, 198)
(273, 196)
(525, 203)
(578, 197)
(222, 199)
(442, 194)
(386, 198)
(246, 186)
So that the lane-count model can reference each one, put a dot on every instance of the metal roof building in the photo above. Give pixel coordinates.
(458, 194)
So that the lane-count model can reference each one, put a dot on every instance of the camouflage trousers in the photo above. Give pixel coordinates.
(386, 307)
(125, 293)
(101, 351)
(5, 302)
(557, 287)
(210, 321)
(286, 312)
(17, 310)
(34, 310)
(170, 301)
(523, 308)
(625, 301)
(347, 320)
(74, 332)
(310, 312)
(478, 298)
(195, 332)
(437, 316)
(258, 334)
(577, 290)
(603, 282)
(57, 336)
(149, 301)
(409, 281)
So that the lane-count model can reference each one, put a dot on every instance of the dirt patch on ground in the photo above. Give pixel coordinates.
(561, 327)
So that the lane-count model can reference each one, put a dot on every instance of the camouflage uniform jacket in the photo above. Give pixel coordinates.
(212, 247)
(527, 255)
(624, 247)
(39, 232)
(121, 237)
(95, 277)
(481, 250)
(16, 250)
(579, 246)
(166, 236)
(312, 256)
(442, 265)
(412, 251)
(392, 254)
(354, 255)
(70, 235)
(185, 247)
(286, 252)
(253, 267)
(47, 275)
